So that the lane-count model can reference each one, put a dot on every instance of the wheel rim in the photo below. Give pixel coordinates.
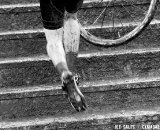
(108, 42)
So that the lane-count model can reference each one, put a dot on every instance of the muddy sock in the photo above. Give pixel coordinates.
(71, 58)
(61, 67)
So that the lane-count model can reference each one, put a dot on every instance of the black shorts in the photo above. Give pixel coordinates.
(52, 11)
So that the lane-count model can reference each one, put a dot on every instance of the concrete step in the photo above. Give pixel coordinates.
(39, 70)
(101, 96)
(87, 2)
(27, 16)
(147, 118)
(28, 43)
(8, 2)
(139, 119)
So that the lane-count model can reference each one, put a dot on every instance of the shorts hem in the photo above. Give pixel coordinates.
(51, 25)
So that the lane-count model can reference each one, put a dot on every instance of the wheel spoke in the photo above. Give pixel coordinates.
(119, 19)
(113, 16)
(99, 16)
(103, 11)
(103, 17)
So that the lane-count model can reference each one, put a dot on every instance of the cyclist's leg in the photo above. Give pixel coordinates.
(71, 45)
(71, 31)
(52, 16)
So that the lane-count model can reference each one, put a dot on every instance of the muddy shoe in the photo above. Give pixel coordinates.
(74, 95)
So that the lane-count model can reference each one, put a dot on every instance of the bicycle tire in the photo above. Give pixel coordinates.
(135, 32)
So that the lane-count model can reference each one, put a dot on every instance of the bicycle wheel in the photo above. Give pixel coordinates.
(113, 22)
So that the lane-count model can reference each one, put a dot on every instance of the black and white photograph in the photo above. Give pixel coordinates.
(79, 65)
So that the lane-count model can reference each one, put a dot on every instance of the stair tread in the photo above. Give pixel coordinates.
(40, 30)
(82, 54)
(93, 117)
(105, 65)
(92, 86)
(21, 47)
(36, 4)
(27, 16)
